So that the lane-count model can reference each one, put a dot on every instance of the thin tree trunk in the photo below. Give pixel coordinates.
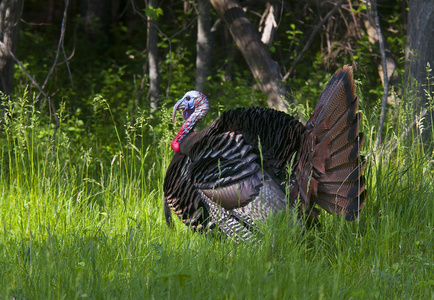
(374, 13)
(419, 48)
(419, 51)
(230, 50)
(152, 45)
(369, 22)
(10, 13)
(203, 46)
(97, 16)
(263, 67)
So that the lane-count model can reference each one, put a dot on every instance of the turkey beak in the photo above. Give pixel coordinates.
(178, 105)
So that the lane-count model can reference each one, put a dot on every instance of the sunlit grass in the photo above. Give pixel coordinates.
(76, 226)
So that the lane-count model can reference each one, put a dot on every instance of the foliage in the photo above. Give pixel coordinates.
(113, 64)
(75, 224)
(81, 210)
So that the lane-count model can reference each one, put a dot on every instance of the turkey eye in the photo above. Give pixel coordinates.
(188, 98)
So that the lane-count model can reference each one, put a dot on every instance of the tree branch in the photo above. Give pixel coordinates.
(41, 91)
(59, 46)
(8, 52)
(310, 40)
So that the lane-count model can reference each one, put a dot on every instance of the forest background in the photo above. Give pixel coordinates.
(87, 90)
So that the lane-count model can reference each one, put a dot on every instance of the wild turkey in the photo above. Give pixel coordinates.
(235, 171)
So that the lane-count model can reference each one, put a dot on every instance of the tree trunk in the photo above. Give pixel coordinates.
(419, 51)
(10, 13)
(203, 46)
(152, 45)
(97, 16)
(230, 50)
(264, 69)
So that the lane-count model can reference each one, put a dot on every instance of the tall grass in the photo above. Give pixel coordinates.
(74, 225)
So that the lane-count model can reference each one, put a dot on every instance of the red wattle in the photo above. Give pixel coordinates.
(175, 145)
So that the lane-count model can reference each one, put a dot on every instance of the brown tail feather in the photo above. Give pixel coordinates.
(338, 202)
(330, 151)
(330, 128)
(350, 152)
(350, 208)
(348, 134)
(350, 171)
(349, 189)
(336, 99)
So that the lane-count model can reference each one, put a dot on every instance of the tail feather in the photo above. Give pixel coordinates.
(336, 99)
(348, 153)
(350, 171)
(348, 207)
(344, 189)
(348, 134)
(325, 133)
(333, 143)
(336, 203)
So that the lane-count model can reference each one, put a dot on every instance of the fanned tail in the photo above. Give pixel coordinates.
(329, 170)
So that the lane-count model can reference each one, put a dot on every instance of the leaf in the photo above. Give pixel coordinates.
(153, 13)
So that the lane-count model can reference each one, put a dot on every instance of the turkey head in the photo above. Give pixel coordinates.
(194, 106)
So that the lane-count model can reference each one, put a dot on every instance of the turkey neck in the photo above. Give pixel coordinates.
(189, 140)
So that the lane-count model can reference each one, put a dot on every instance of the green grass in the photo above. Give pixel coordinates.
(76, 225)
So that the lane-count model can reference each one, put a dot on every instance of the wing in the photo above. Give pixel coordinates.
(195, 209)
(226, 170)
(181, 196)
(240, 152)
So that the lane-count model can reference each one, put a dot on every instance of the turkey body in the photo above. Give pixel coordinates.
(251, 162)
